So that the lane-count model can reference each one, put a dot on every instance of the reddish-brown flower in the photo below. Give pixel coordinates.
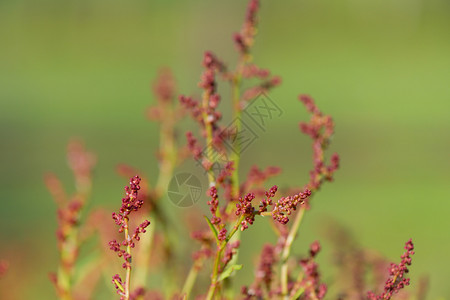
(397, 279)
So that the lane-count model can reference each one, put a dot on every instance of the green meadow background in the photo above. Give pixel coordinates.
(83, 68)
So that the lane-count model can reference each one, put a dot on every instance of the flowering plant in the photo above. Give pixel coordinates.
(235, 203)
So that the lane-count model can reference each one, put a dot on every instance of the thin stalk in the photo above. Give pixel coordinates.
(287, 251)
(167, 148)
(128, 274)
(236, 155)
(215, 274)
(191, 278)
(220, 250)
(70, 247)
(65, 271)
(297, 290)
(237, 110)
(141, 269)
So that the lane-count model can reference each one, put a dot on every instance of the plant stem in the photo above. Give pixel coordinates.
(236, 155)
(141, 269)
(287, 250)
(237, 109)
(190, 279)
(297, 290)
(128, 274)
(168, 151)
(220, 250)
(65, 271)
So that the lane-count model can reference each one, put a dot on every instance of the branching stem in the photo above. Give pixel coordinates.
(128, 274)
(287, 251)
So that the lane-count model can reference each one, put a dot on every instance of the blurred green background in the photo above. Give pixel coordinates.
(380, 68)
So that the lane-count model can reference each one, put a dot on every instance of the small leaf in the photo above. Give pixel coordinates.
(213, 229)
(229, 272)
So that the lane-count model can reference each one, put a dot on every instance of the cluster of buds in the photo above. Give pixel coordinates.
(244, 39)
(268, 200)
(310, 281)
(130, 203)
(68, 218)
(164, 86)
(262, 87)
(320, 128)
(193, 107)
(164, 89)
(230, 250)
(256, 177)
(264, 274)
(205, 113)
(69, 210)
(397, 279)
(284, 207)
(213, 205)
(245, 208)
(224, 180)
(81, 162)
(210, 97)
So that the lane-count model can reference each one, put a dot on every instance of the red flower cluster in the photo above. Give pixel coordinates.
(213, 206)
(396, 280)
(230, 250)
(320, 128)
(130, 203)
(257, 176)
(164, 86)
(311, 281)
(286, 205)
(268, 200)
(267, 261)
(245, 208)
(244, 39)
(164, 90)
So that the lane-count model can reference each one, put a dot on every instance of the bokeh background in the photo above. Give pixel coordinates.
(380, 68)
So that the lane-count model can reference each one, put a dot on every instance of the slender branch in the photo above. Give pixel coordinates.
(236, 155)
(167, 147)
(237, 109)
(128, 274)
(141, 270)
(220, 250)
(287, 250)
(191, 278)
(297, 290)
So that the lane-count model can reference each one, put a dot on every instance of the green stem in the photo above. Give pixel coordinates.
(236, 155)
(128, 274)
(65, 270)
(168, 151)
(287, 251)
(220, 250)
(143, 255)
(191, 278)
(297, 290)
